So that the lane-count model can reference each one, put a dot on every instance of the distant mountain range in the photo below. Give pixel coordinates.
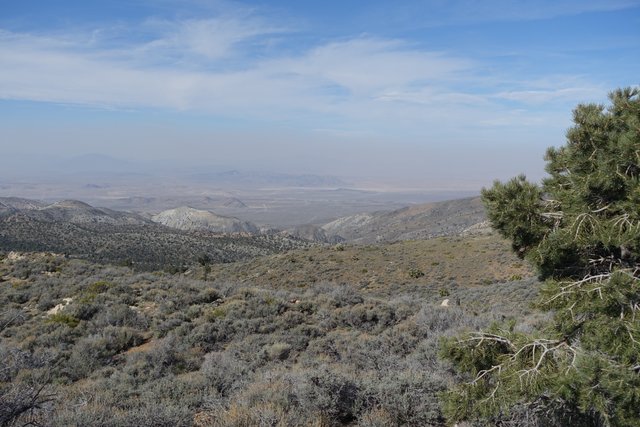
(248, 178)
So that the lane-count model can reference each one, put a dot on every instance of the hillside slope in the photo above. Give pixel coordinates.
(71, 211)
(307, 337)
(102, 235)
(409, 223)
(190, 219)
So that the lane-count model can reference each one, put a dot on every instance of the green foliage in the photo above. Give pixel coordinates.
(585, 215)
(99, 287)
(65, 319)
(514, 210)
(581, 229)
(416, 273)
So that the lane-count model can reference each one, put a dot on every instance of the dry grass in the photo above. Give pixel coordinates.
(463, 261)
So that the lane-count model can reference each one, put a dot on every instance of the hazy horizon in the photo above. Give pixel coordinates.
(425, 95)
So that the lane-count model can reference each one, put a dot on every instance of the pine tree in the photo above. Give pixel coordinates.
(581, 230)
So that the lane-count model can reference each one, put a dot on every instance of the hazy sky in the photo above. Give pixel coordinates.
(468, 90)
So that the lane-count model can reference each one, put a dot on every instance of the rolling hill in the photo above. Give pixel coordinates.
(102, 235)
(190, 219)
(410, 223)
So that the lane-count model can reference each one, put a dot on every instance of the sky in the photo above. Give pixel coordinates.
(460, 92)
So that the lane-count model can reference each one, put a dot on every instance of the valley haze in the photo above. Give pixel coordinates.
(270, 199)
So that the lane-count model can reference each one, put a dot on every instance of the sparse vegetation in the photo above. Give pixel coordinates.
(240, 348)
(141, 246)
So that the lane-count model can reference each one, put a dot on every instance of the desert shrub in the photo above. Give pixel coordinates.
(215, 313)
(12, 316)
(98, 287)
(170, 355)
(159, 414)
(82, 310)
(120, 315)
(377, 417)
(368, 316)
(333, 396)
(344, 295)
(276, 351)
(24, 390)
(94, 351)
(46, 301)
(176, 320)
(207, 296)
(22, 269)
(408, 396)
(432, 319)
(224, 372)
(18, 295)
(210, 336)
(16, 360)
(399, 340)
(237, 415)
(22, 402)
(186, 391)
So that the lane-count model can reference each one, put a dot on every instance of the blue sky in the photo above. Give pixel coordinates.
(432, 93)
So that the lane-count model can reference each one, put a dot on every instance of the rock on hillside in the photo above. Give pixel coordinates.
(411, 223)
(186, 218)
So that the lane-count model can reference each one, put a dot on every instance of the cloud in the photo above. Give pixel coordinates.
(227, 66)
(203, 41)
(365, 65)
(55, 70)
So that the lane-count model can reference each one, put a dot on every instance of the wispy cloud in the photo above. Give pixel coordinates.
(56, 70)
(222, 65)
(203, 41)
